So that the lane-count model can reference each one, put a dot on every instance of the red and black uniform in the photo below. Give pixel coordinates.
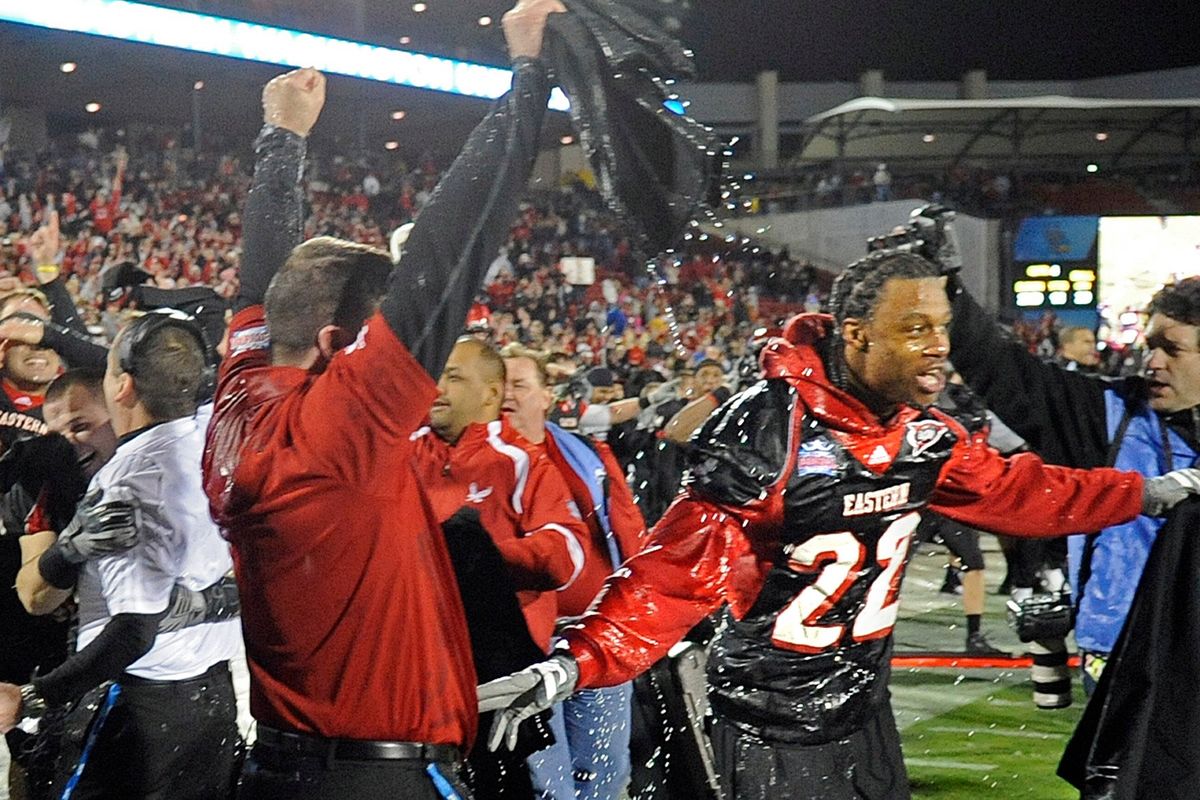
(523, 504)
(353, 622)
(798, 515)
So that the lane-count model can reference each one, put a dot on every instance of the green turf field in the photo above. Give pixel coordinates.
(996, 745)
(971, 733)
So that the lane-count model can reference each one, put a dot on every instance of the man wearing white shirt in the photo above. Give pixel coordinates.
(168, 729)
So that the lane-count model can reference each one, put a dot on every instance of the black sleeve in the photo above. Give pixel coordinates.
(469, 216)
(1060, 414)
(274, 220)
(76, 348)
(62, 307)
(125, 639)
(742, 449)
(56, 570)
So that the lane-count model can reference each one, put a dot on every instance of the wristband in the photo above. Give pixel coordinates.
(46, 273)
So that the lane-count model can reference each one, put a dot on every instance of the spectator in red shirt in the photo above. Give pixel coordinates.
(361, 670)
(105, 207)
(590, 757)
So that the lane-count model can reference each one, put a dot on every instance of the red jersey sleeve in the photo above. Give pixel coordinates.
(1024, 496)
(688, 568)
(248, 344)
(548, 554)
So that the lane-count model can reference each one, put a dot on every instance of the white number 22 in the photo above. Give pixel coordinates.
(839, 557)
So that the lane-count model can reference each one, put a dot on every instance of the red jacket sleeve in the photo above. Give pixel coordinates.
(1024, 496)
(628, 524)
(548, 554)
(686, 571)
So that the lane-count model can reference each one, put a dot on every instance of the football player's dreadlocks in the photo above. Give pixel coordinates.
(856, 292)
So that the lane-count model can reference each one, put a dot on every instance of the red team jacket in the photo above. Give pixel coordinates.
(349, 602)
(523, 503)
(628, 526)
(799, 516)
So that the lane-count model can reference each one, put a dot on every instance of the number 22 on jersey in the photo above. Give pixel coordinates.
(840, 557)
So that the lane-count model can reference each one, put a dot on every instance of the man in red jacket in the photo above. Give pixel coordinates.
(590, 757)
(468, 456)
(803, 496)
(360, 662)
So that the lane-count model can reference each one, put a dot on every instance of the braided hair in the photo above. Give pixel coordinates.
(856, 292)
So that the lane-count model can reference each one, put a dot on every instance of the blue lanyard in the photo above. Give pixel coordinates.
(110, 700)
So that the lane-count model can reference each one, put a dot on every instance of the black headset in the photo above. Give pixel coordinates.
(135, 340)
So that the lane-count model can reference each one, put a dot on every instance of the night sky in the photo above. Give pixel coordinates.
(811, 40)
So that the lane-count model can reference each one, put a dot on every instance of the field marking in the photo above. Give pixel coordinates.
(1039, 735)
(945, 763)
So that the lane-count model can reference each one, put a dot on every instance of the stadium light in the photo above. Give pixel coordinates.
(220, 36)
(67, 67)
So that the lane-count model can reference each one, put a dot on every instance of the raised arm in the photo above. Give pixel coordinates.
(45, 250)
(457, 233)
(1060, 414)
(274, 218)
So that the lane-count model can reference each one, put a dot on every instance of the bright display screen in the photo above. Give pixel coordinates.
(219, 36)
(1137, 256)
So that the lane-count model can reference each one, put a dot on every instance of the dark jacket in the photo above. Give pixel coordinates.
(1072, 419)
(1139, 738)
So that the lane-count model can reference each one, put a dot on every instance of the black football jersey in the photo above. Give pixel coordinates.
(809, 662)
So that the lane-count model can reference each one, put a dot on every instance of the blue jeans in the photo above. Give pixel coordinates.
(590, 759)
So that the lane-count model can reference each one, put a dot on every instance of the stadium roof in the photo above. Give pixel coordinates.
(1029, 129)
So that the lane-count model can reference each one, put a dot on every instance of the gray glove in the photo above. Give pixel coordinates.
(99, 529)
(1163, 493)
(215, 603)
(519, 696)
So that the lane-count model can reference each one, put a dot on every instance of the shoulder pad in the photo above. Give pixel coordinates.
(742, 449)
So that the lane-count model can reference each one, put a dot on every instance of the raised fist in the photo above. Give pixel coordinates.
(294, 100)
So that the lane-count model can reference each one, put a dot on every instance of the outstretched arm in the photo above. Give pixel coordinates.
(1023, 496)
(457, 233)
(1060, 414)
(274, 218)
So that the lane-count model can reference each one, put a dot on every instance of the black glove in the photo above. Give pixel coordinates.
(215, 603)
(99, 529)
(46, 462)
(930, 234)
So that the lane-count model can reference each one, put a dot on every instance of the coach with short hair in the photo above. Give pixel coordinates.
(360, 662)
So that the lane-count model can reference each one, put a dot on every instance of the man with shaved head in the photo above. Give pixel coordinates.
(469, 457)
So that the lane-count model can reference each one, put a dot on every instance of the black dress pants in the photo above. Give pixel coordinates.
(161, 741)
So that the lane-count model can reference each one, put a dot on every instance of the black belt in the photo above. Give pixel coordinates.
(218, 669)
(299, 744)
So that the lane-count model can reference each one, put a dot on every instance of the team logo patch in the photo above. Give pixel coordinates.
(477, 495)
(248, 339)
(924, 434)
(817, 457)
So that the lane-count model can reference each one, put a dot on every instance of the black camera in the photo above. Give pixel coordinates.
(1042, 616)
(929, 233)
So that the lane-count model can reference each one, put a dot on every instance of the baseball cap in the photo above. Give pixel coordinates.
(601, 376)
